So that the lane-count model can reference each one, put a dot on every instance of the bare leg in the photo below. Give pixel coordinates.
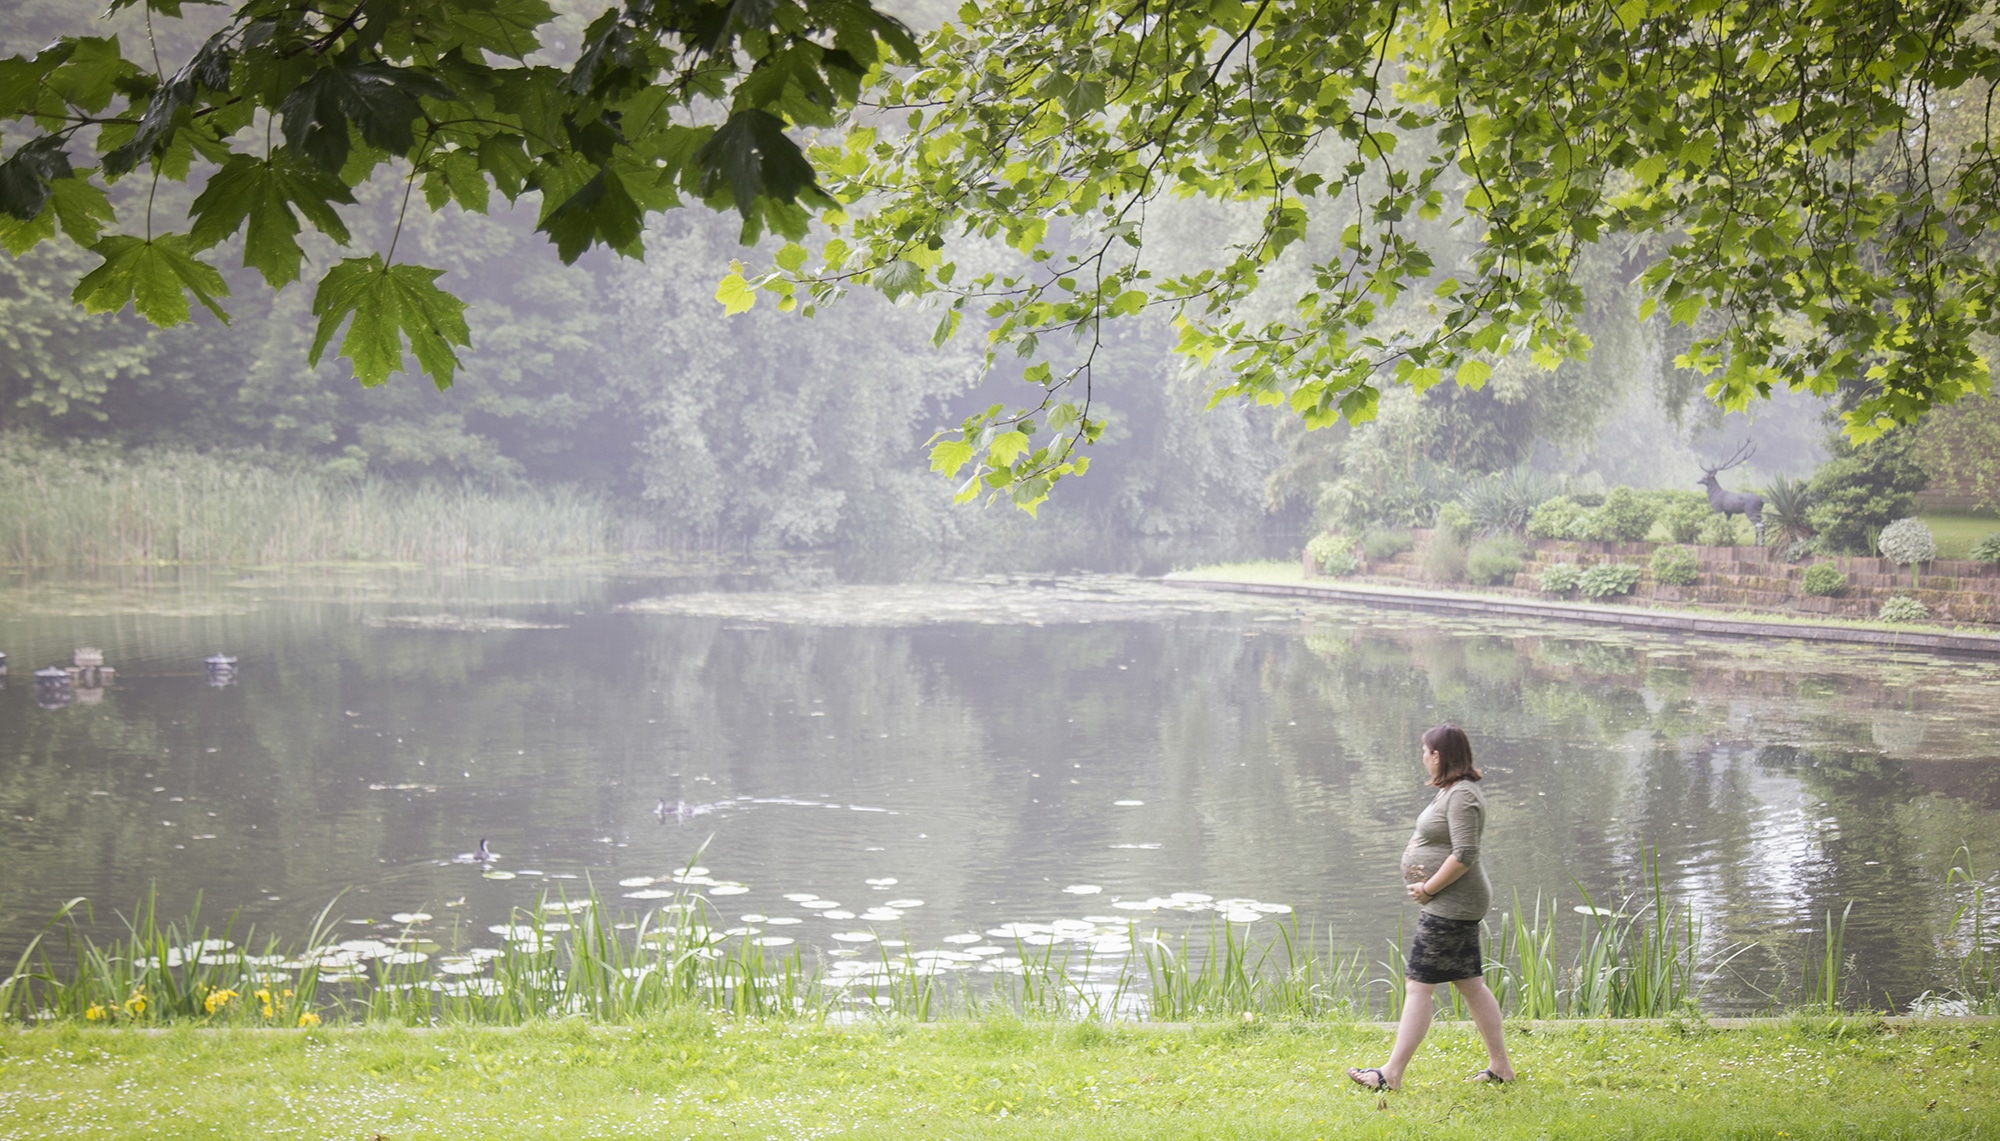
(1417, 1013)
(1485, 1015)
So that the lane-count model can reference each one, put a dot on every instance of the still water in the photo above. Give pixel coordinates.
(926, 761)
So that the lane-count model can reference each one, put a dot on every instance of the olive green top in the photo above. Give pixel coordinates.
(1450, 826)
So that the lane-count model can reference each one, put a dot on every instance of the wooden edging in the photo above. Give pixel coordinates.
(1974, 645)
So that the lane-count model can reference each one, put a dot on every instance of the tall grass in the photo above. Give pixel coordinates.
(581, 958)
(87, 507)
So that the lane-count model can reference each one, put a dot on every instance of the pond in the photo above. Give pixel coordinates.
(927, 764)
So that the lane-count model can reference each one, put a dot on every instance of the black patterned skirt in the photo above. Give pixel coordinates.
(1444, 950)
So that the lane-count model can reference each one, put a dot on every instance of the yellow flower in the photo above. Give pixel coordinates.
(217, 999)
(136, 1005)
(96, 1011)
(308, 1019)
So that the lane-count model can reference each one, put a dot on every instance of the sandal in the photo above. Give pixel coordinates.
(1379, 1085)
(1488, 1077)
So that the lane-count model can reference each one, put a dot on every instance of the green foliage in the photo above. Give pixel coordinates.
(1332, 554)
(97, 506)
(1719, 530)
(1682, 514)
(1987, 550)
(1787, 503)
(1676, 566)
(1822, 580)
(1066, 139)
(1903, 608)
(1455, 521)
(1554, 518)
(1863, 488)
(1380, 545)
(1908, 542)
(1607, 580)
(1495, 561)
(1560, 578)
(1501, 503)
(456, 95)
(1442, 558)
(1625, 516)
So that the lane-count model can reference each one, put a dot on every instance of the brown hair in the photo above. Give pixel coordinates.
(1454, 755)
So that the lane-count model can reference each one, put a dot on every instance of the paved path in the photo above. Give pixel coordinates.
(1677, 621)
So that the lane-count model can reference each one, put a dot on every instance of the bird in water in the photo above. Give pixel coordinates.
(484, 855)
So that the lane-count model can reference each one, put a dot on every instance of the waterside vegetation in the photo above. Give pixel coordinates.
(1646, 957)
(94, 507)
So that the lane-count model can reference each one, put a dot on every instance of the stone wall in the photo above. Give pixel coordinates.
(1749, 578)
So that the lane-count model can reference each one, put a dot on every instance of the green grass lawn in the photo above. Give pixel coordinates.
(980, 1078)
(1955, 534)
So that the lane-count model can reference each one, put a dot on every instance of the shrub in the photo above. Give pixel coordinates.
(1332, 554)
(1987, 550)
(1379, 545)
(1786, 502)
(1625, 517)
(1455, 521)
(1823, 580)
(1799, 550)
(1675, 566)
(1442, 558)
(1863, 488)
(1608, 579)
(1907, 541)
(1494, 562)
(1718, 530)
(1682, 513)
(1553, 518)
(1903, 608)
(1501, 503)
(1560, 578)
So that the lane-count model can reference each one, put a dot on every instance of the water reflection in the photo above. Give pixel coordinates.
(985, 752)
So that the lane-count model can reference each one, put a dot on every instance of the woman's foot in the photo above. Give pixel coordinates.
(1491, 1076)
(1371, 1079)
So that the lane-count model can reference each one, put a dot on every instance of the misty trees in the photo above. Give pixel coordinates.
(1812, 187)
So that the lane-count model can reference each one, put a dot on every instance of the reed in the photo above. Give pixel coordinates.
(1972, 952)
(89, 507)
(566, 957)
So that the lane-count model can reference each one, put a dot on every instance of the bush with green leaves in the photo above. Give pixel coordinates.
(1380, 545)
(1719, 530)
(1626, 516)
(1676, 566)
(1864, 488)
(1442, 557)
(1786, 503)
(1823, 580)
(1903, 608)
(1454, 520)
(1560, 578)
(1553, 518)
(1606, 580)
(1332, 554)
(1501, 503)
(1495, 561)
(1799, 550)
(1907, 542)
(1682, 513)
(1987, 550)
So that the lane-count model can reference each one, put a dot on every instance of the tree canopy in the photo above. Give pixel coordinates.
(1398, 192)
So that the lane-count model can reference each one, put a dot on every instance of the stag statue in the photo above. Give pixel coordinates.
(1727, 503)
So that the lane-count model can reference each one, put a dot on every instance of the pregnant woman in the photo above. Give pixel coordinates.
(1441, 867)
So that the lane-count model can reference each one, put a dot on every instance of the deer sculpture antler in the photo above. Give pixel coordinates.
(1740, 457)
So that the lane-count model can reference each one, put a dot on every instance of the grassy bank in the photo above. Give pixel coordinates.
(697, 1076)
(90, 507)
